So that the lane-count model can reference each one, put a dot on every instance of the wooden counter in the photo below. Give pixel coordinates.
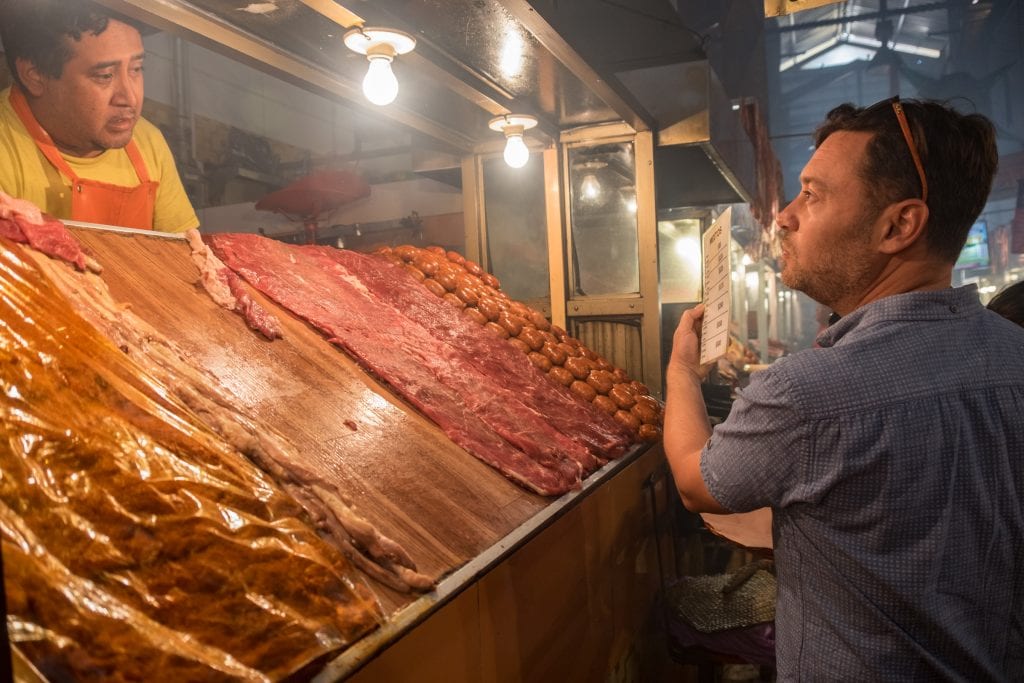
(522, 576)
(573, 603)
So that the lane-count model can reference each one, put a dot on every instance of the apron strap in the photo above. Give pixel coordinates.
(137, 163)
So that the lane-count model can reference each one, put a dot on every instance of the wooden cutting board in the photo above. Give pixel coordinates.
(396, 468)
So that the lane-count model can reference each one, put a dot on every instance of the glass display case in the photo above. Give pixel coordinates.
(603, 219)
(517, 245)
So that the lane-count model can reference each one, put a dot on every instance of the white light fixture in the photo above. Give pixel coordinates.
(513, 126)
(380, 45)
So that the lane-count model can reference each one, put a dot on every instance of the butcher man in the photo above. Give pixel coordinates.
(72, 137)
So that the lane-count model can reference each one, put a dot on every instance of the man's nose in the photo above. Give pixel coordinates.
(786, 219)
(127, 92)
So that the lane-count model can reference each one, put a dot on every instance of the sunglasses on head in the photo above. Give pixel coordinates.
(901, 117)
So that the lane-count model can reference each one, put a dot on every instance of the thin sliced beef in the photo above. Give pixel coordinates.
(578, 420)
(485, 419)
(49, 237)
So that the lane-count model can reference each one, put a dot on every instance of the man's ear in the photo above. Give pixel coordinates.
(30, 76)
(904, 226)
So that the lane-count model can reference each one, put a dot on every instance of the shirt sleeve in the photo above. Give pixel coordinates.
(11, 178)
(173, 211)
(756, 458)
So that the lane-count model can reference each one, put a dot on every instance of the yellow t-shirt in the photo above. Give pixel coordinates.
(26, 174)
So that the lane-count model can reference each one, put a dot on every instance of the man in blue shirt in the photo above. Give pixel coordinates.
(893, 456)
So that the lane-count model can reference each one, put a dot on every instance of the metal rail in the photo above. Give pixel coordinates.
(127, 231)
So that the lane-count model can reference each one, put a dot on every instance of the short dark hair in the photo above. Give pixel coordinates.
(36, 30)
(958, 152)
(1009, 303)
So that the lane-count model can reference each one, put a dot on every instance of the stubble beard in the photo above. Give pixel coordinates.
(836, 275)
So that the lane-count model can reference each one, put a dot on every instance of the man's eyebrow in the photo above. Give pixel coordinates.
(106, 65)
(813, 180)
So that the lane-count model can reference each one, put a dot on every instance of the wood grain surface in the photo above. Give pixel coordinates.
(394, 466)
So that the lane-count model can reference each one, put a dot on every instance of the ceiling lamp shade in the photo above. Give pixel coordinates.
(513, 126)
(381, 46)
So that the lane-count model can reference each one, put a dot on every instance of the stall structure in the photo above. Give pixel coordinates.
(528, 587)
(588, 203)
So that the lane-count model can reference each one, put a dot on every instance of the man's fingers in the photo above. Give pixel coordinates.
(691, 317)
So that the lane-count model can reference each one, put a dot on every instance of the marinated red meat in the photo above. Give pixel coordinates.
(493, 357)
(49, 237)
(486, 419)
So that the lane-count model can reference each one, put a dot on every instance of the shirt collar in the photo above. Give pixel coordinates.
(934, 305)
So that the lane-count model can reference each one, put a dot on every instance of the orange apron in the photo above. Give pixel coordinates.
(93, 201)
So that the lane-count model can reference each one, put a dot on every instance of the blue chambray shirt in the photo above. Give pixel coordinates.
(893, 459)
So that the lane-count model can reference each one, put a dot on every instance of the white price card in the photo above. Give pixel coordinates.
(714, 333)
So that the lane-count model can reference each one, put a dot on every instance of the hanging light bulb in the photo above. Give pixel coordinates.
(380, 45)
(516, 154)
(590, 188)
(380, 85)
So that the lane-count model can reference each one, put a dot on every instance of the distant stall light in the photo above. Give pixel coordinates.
(590, 187)
(381, 46)
(516, 154)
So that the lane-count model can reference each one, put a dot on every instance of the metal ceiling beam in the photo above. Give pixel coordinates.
(916, 9)
(180, 18)
(437, 64)
(630, 112)
(819, 81)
